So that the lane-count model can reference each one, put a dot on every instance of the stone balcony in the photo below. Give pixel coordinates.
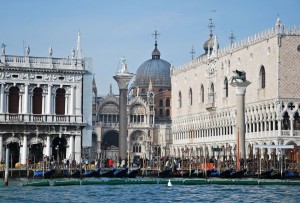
(42, 62)
(210, 106)
(42, 119)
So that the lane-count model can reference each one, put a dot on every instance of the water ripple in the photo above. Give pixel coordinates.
(150, 193)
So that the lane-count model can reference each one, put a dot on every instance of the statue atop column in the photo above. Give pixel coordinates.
(238, 76)
(123, 65)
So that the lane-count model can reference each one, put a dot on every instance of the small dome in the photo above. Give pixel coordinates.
(209, 43)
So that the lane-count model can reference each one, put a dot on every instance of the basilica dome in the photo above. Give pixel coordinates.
(156, 70)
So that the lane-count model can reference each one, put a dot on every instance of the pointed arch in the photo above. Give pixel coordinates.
(179, 100)
(211, 95)
(190, 97)
(262, 77)
(202, 94)
(225, 89)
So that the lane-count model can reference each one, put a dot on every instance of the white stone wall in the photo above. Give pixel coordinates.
(197, 128)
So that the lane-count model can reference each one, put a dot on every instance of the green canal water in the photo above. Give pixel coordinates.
(16, 192)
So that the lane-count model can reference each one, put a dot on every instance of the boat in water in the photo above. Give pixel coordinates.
(107, 173)
(132, 173)
(47, 174)
(120, 173)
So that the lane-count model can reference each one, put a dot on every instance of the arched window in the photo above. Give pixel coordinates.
(190, 97)
(168, 102)
(161, 112)
(225, 90)
(286, 121)
(168, 113)
(211, 95)
(179, 100)
(262, 77)
(161, 103)
(60, 101)
(37, 101)
(13, 106)
(296, 121)
(202, 94)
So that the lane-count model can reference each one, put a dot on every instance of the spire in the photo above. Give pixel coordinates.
(79, 52)
(211, 27)
(231, 38)
(110, 89)
(155, 52)
(192, 52)
(94, 86)
(278, 22)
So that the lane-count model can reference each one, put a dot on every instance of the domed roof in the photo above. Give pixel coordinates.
(209, 43)
(155, 69)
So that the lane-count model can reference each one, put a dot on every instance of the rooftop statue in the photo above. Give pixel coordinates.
(124, 65)
(50, 51)
(3, 48)
(27, 50)
(73, 53)
(238, 76)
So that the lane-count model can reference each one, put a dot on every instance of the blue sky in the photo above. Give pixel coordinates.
(111, 29)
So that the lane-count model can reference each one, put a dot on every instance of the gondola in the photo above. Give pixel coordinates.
(165, 173)
(77, 173)
(91, 173)
(201, 174)
(48, 174)
(120, 173)
(238, 174)
(226, 173)
(107, 173)
(183, 174)
(132, 173)
(262, 175)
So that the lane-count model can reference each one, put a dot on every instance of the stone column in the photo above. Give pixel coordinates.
(279, 126)
(77, 149)
(123, 79)
(48, 103)
(24, 150)
(98, 131)
(292, 126)
(71, 109)
(240, 87)
(2, 102)
(25, 100)
(71, 150)
(78, 101)
(48, 146)
(1, 148)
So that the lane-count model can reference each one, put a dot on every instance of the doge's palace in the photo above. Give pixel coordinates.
(204, 102)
